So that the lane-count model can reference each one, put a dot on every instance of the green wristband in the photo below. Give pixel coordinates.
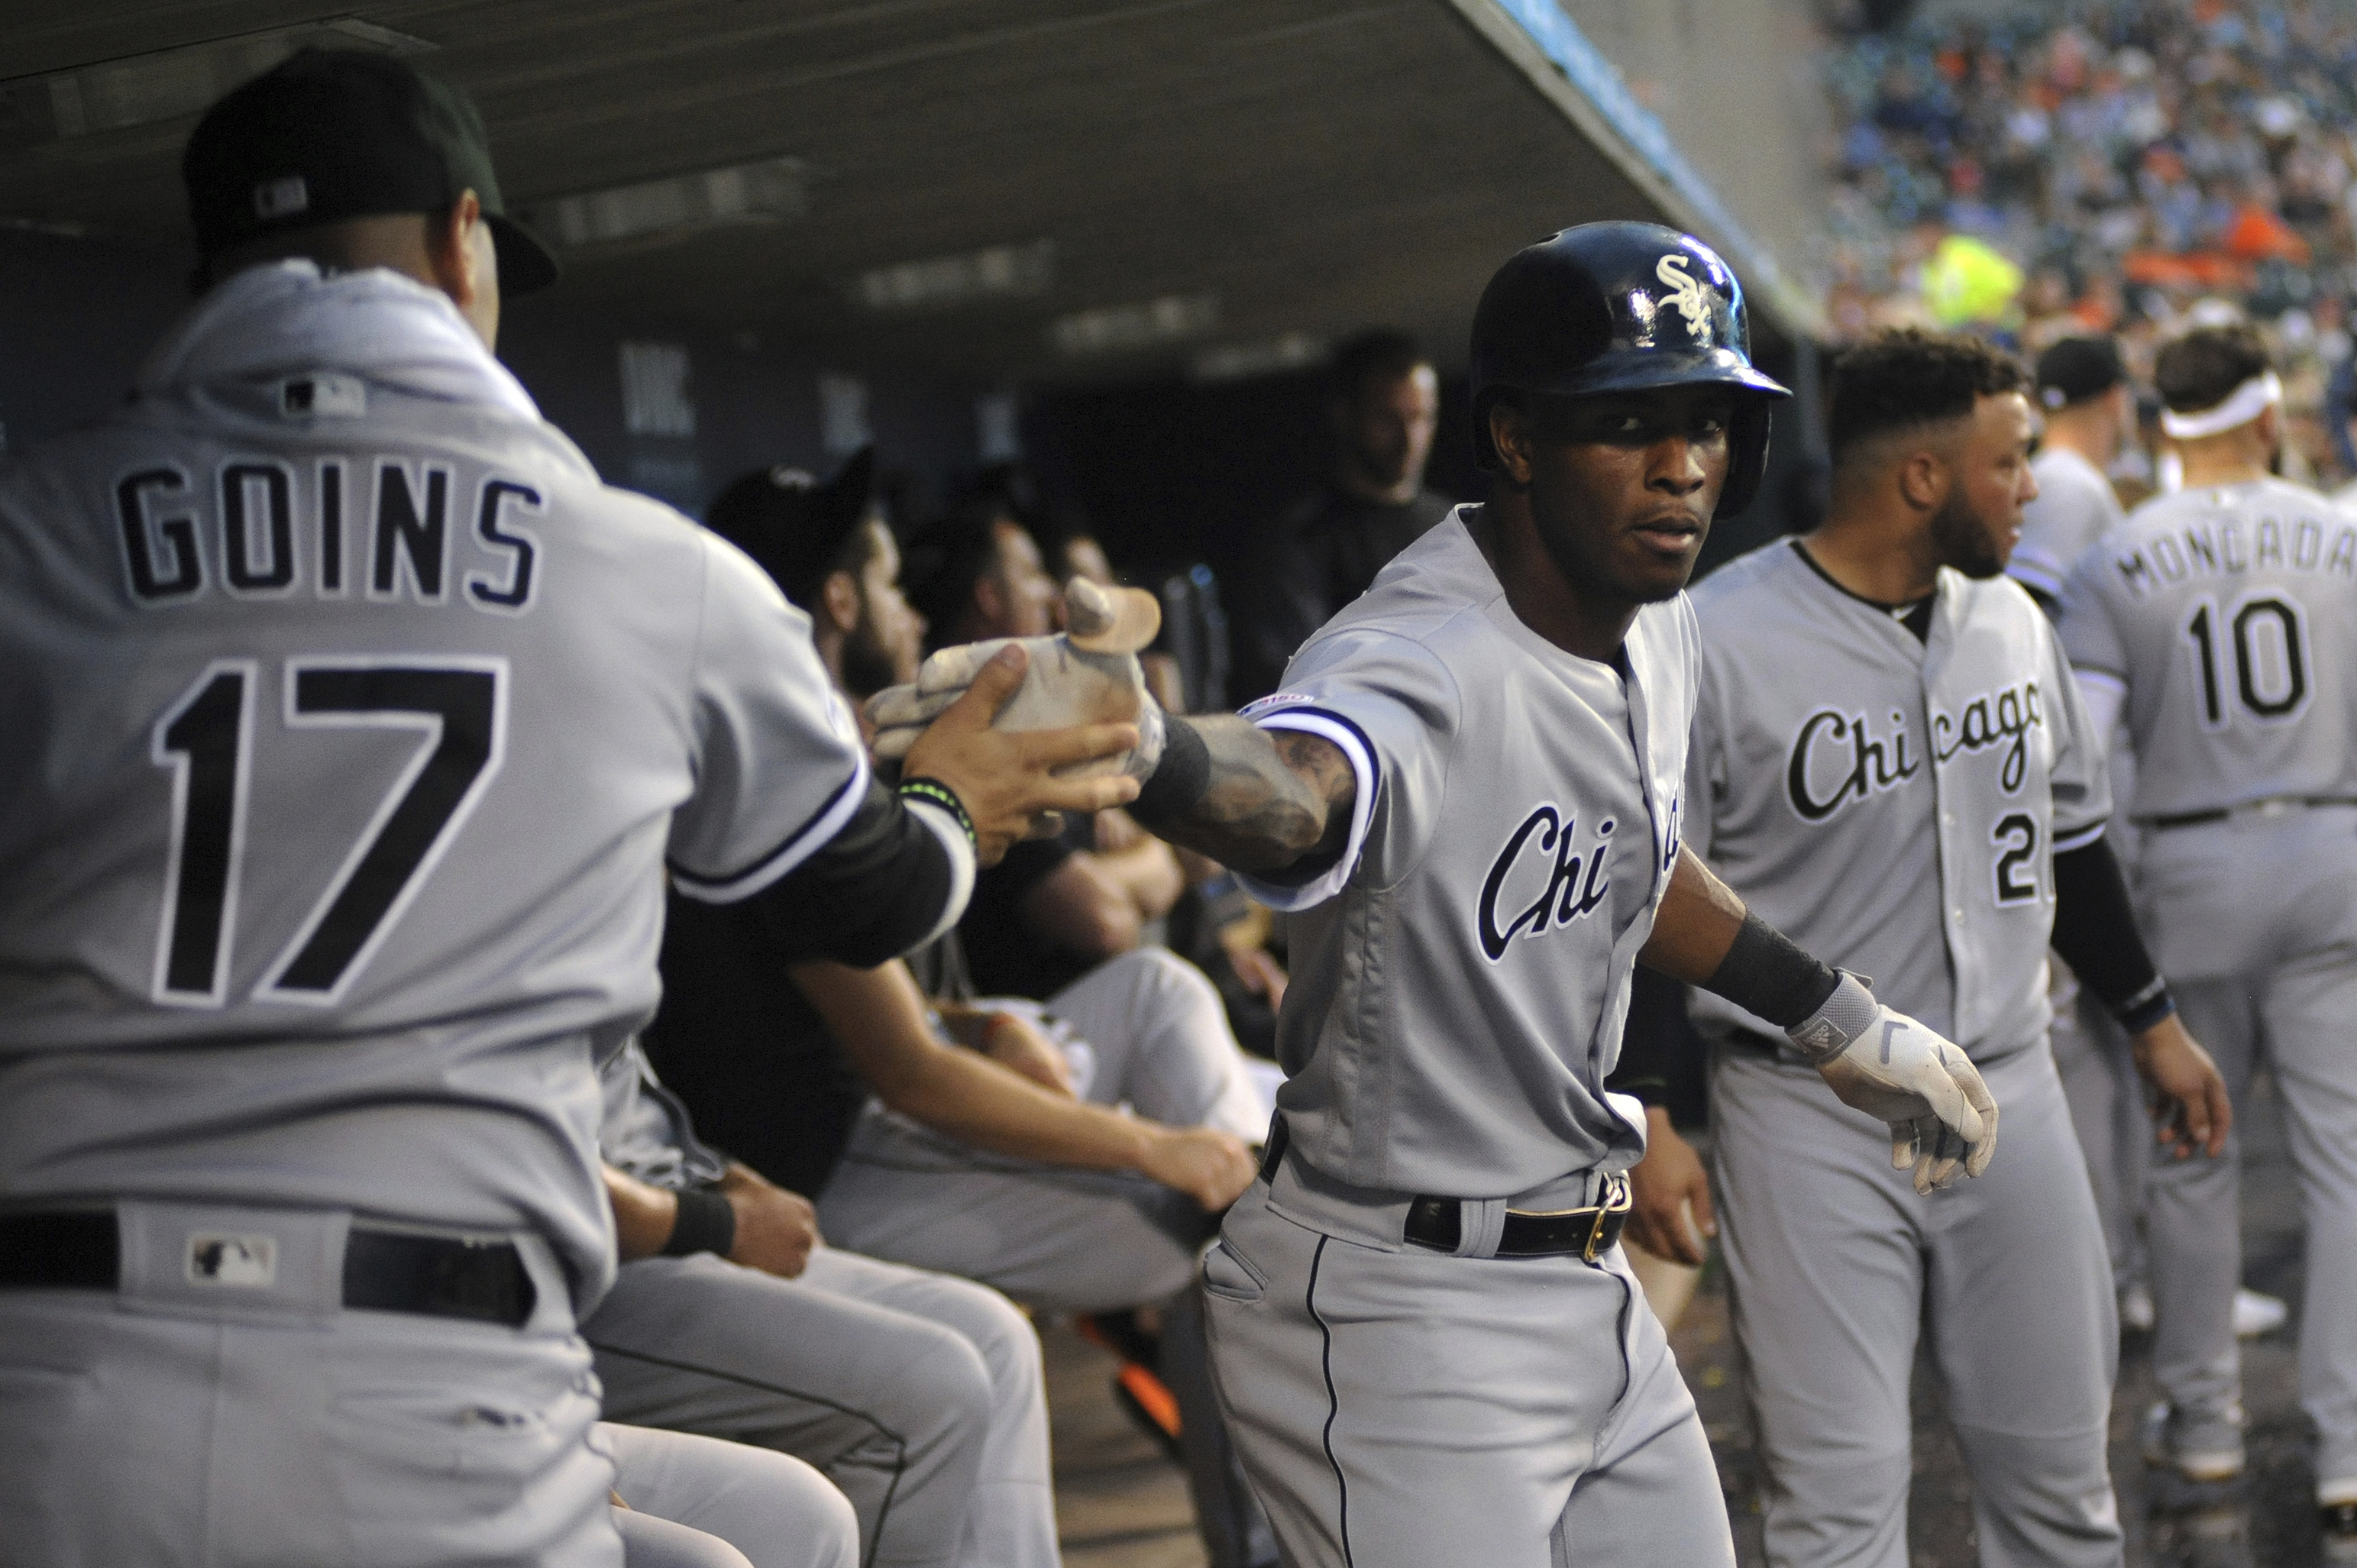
(942, 795)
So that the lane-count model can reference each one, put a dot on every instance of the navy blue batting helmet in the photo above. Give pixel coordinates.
(1615, 307)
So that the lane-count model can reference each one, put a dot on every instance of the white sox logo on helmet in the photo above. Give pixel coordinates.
(1685, 291)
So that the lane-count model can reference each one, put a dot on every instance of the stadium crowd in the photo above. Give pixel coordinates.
(2120, 166)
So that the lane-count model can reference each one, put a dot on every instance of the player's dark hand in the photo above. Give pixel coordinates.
(2190, 1108)
(1008, 778)
(775, 1229)
(1212, 1167)
(1660, 1188)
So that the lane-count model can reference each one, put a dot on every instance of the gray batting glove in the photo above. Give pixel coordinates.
(1878, 1060)
(1086, 674)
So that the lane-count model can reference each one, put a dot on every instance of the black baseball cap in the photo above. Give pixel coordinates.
(2076, 369)
(792, 525)
(335, 134)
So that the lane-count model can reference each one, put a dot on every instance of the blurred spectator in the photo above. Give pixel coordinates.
(1383, 403)
(979, 573)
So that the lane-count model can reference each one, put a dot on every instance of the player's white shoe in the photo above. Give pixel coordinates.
(2200, 1451)
(2255, 1313)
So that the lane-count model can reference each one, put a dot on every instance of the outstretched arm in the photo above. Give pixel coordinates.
(1257, 800)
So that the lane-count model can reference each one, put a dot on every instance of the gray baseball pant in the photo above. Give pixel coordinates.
(2257, 927)
(169, 1423)
(918, 1395)
(652, 1543)
(1836, 1265)
(1401, 1408)
(728, 1505)
(2107, 1112)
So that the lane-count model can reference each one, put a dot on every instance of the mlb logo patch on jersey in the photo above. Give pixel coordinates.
(323, 396)
(232, 1262)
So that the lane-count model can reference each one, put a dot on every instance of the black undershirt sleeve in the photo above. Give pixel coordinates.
(1654, 1036)
(2095, 932)
(879, 887)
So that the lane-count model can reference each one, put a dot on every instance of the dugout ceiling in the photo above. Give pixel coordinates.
(1052, 190)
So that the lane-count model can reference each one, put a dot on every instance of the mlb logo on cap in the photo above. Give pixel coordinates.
(277, 198)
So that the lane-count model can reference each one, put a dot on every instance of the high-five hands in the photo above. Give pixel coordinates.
(1878, 1060)
(1008, 778)
(1085, 676)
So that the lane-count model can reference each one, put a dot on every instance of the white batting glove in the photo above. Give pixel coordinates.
(1088, 674)
(1878, 1060)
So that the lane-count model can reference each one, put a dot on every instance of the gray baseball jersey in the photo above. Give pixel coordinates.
(351, 721)
(1893, 802)
(2075, 507)
(2227, 614)
(1462, 974)
(1461, 977)
(1826, 723)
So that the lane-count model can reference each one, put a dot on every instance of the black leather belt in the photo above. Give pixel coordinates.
(385, 1271)
(2220, 814)
(1438, 1223)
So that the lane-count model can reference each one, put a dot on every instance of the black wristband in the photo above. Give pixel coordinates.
(706, 1223)
(942, 795)
(1763, 972)
(2145, 1008)
(1179, 780)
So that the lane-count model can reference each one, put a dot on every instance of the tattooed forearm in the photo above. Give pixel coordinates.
(1275, 798)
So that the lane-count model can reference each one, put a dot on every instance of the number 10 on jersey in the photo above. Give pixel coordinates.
(459, 708)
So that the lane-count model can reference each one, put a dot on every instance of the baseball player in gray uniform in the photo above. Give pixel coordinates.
(352, 722)
(1468, 795)
(2089, 411)
(1890, 758)
(2220, 623)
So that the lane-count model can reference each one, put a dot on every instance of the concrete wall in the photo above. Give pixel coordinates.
(1734, 83)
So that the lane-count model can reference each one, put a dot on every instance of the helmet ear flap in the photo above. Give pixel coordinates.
(1746, 456)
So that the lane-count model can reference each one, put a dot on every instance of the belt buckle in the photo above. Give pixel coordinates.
(1617, 1200)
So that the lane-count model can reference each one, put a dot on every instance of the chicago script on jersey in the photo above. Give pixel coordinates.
(262, 527)
(1568, 895)
(2003, 717)
(1873, 767)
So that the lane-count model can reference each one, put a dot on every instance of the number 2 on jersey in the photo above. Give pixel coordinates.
(206, 738)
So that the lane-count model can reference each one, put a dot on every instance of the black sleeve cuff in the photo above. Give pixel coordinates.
(2095, 932)
(879, 887)
(1765, 973)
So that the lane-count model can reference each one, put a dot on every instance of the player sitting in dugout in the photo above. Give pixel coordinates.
(1006, 1163)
